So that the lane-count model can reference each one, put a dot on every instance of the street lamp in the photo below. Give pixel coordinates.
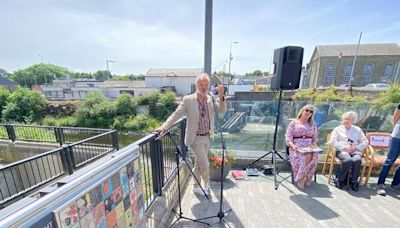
(337, 67)
(230, 58)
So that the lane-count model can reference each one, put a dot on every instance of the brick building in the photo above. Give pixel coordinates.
(332, 65)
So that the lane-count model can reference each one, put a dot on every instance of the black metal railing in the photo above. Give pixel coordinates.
(20, 177)
(157, 157)
(50, 134)
(89, 149)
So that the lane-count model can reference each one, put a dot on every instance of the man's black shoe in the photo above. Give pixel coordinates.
(339, 184)
(354, 186)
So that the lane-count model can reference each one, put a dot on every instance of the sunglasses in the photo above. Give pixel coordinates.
(310, 111)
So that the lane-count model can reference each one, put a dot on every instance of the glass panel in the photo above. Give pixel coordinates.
(248, 126)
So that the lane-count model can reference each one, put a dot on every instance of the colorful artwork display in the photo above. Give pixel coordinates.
(116, 201)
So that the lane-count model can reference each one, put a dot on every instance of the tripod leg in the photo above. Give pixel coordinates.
(274, 163)
(258, 159)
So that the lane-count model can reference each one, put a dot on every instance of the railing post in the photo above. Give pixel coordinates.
(11, 132)
(184, 149)
(114, 140)
(66, 160)
(59, 137)
(157, 169)
(71, 156)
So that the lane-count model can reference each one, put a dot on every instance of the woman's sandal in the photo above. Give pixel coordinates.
(300, 183)
(309, 181)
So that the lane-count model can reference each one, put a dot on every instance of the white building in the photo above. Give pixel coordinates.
(77, 90)
(181, 79)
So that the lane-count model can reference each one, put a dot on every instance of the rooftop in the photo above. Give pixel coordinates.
(5, 81)
(365, 49)
(182, 72)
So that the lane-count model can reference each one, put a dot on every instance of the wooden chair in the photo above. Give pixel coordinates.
(378, 141)
(331, 160)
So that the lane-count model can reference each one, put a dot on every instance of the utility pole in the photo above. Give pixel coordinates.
(337, 67)
(108, 68)
(230, 57)
(208, 37)
(41, 65)
(354, 62)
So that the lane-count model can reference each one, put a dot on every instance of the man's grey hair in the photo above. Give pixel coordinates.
(201, 77)
(353, 115)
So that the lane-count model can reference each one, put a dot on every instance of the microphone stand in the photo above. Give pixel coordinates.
(273, 151)
(221, 214)
(179, 214)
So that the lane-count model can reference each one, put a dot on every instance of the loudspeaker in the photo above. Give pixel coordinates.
(287, 68)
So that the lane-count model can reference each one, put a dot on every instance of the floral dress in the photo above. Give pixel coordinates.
(302, 135)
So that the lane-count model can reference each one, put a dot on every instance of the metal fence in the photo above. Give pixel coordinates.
(157, 155)
(34, 133)
(22, 176)
(157, 167)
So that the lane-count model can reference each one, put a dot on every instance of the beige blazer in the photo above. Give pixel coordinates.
(190, 107)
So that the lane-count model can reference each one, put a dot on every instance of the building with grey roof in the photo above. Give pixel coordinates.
(332, 65)
(8, 84)
(182, 79)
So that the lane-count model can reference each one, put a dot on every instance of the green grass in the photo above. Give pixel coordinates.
(3, 132)
(37, 134)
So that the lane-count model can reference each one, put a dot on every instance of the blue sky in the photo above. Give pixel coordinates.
(143, 34)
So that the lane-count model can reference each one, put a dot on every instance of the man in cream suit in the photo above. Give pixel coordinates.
(199, 110)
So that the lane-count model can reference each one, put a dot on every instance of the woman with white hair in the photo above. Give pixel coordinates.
(349, 141)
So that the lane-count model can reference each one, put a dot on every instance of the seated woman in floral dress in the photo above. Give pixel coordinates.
(302, 133)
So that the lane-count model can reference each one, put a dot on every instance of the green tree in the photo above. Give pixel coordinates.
(24, 106)
(165, 105)
(39, 73)
(125, 105)
(4, 94)
(150, 100)
(95, 111)
(256, 73)
(82, 75)
(102, 75)
(128, 77)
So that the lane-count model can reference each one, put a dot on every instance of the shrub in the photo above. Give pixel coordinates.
(4, 94)
(95, 111)
(68, 121)
(24, 106)
(141, 123)
(124, 105)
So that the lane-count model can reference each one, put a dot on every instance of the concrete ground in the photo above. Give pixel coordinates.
(255, 203)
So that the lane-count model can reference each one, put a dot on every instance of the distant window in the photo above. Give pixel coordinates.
(367, 74)
(328, 75)
(387, 74)
(346, 74)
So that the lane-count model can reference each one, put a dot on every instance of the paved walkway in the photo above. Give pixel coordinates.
(255, 203)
